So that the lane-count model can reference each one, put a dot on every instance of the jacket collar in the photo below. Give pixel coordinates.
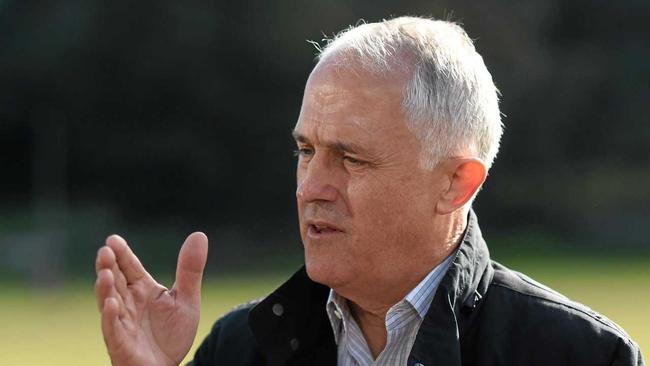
(292, 324)
(454, 306)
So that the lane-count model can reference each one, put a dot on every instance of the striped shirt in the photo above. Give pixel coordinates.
(402, 323)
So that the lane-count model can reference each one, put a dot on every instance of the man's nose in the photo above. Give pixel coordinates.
(316, 182)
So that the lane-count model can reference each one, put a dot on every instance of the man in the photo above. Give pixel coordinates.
(398, 128)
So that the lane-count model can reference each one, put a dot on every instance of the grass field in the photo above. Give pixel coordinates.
(61, 327)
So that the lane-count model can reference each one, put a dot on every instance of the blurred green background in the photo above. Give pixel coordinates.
(153, 119)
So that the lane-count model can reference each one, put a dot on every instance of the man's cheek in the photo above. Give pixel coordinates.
(375, 219)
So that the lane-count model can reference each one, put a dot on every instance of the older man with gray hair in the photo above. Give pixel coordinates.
(398, 128)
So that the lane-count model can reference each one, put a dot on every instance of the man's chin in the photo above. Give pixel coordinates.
(324, 272)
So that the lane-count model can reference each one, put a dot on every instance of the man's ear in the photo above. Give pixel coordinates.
(465, 175)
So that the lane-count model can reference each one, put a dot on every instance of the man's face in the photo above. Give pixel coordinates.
(365, 206)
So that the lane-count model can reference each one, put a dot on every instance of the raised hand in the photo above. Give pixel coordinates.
(143, 322)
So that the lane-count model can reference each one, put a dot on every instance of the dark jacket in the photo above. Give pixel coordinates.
(482, 314)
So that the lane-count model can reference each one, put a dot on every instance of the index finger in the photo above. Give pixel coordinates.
(127, 261)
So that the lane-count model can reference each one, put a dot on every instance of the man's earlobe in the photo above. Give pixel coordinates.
(465, 178)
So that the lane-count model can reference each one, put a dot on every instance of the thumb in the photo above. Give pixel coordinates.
(191, 263)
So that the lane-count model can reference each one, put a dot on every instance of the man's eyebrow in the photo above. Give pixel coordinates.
(334, 145)
(298, 137)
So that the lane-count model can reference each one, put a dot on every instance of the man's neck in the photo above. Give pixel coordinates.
(373, 326)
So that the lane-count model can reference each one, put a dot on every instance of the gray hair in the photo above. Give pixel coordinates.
(450, 101)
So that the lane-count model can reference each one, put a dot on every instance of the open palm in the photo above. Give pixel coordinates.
(143, 322)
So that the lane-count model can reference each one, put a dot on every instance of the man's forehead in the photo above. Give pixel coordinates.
(331, 96)
(331, 78)
(366, 131)
(330, 107)
(343, 108)
(320, 104)
(351, 132)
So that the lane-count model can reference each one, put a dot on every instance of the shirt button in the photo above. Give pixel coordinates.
(278, 309)
(294, 343)
(338, 314)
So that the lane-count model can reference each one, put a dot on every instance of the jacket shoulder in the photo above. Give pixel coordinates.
(540, 314)
(230, 342)
(519, 285)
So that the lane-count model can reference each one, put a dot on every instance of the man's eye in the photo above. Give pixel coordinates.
(352, 160)
(302, 152)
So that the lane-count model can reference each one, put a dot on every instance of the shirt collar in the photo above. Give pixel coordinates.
(419, 298)
(335, 312)
(422, 294)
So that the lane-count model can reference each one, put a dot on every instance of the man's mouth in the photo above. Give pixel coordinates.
(319, 230)
(322, 228)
